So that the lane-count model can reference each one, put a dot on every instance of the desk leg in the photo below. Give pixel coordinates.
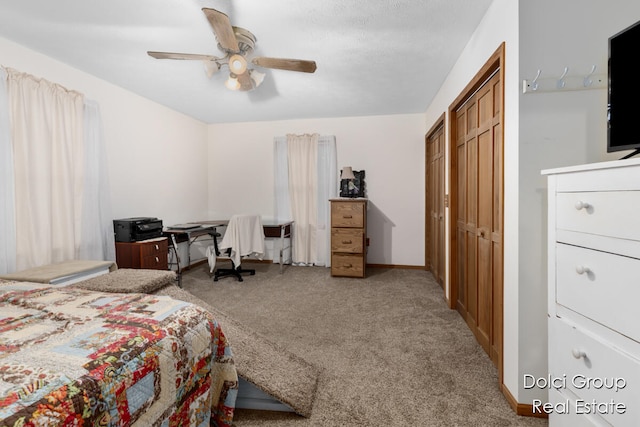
(290, 244)
(281, 248)
(174, 245)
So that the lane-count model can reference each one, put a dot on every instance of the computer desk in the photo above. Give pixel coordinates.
(190, 235)
(272, 229)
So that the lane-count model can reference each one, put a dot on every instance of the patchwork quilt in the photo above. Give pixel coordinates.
(73, 357)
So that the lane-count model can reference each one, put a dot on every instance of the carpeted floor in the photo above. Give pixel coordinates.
(389, 350)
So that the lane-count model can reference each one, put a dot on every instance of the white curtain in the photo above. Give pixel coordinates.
(58, 174)
(327, 189)
(97, 239)
(303, 190)
(305, 180)
(7, 199)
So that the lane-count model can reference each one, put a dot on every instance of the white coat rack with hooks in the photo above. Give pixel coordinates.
(565, 82)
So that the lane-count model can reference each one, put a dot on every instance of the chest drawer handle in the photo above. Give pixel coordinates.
(582, 205)
(346, 242)
(578, 354)
(347, 216)
(157, 247)
(581, 269)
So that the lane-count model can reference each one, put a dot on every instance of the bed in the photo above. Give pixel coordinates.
(72, 356)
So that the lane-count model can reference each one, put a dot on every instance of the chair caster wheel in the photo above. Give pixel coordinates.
(215, 279)
(240, 279)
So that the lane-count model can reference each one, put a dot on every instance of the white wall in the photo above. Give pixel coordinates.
(157, 157)
(389, 148)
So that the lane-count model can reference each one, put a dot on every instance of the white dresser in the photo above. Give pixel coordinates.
(594, 295)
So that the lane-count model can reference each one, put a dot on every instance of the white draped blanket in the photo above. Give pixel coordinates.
(244, 236)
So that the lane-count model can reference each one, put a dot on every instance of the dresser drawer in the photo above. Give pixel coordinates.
(566, 414)
(347, 265)
(599, 285)
(595, 372)
(155, 262)
(605, 213)
(347, 214)
(154, 248)
(349, 240)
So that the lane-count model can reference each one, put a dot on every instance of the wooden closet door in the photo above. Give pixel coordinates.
(461, 213)
(479, 198)
(471, 214)
(435, 204)
(497, 233)
(484, 140)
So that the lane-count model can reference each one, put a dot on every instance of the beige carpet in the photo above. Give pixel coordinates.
(389, 350)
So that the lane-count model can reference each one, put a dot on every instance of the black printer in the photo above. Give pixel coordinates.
(136, 229)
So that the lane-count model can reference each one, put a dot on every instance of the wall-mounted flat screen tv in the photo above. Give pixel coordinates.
(623, 108)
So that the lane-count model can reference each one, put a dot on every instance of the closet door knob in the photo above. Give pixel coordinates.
(581, 269)
(582, 205)
(578, 354)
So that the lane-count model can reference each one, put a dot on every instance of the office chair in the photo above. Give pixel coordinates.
(244, 236)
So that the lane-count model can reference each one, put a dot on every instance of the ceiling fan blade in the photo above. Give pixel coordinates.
(223, 30)
(188, 56)
(285, 64)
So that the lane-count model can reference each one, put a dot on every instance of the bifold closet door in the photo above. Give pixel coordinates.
(435, 205)
(479, 219)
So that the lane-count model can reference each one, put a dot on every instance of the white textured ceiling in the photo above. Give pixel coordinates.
(374, 57)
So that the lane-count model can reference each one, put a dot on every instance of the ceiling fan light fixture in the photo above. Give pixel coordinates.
(237, 64)
(232, 82)
(211, 67)
(256, 77)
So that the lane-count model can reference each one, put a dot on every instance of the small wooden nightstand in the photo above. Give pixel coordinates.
(151, 254)
(348, 237)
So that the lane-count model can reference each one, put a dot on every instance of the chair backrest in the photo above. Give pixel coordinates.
(244, 236)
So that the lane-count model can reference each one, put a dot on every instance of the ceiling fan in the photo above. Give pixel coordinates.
(237, 43)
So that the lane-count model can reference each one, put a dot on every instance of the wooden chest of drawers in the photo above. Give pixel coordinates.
(593, 259)
(151, 254)
(348, 237)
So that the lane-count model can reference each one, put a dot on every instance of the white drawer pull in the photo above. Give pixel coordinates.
(581, 269)
(578, 354)
(157, 247)
(157, 259)
(582, 205)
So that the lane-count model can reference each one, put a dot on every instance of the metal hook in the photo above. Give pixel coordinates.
(534, 83)
(561, 81)
(587, 81)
